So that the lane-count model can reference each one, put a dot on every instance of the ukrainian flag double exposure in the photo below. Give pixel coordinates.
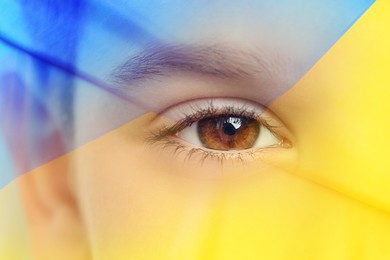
(102, 107)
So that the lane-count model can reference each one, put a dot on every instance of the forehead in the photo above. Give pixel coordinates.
(95, 36)
(292, 33)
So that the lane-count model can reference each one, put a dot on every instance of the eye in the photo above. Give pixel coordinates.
(219, 127)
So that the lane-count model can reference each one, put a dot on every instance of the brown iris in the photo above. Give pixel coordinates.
(228, 132)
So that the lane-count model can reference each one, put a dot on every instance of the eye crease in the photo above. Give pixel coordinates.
(221, 128)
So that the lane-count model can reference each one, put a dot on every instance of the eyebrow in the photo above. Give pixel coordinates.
(215, 60)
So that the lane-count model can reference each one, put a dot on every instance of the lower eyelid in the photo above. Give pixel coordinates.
(187, 158)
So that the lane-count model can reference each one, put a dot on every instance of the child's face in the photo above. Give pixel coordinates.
(316, 180)
(225, 156)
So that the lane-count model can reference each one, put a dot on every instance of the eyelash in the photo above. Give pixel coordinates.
(165, 135)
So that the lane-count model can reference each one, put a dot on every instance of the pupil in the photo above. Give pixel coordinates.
(229, 129)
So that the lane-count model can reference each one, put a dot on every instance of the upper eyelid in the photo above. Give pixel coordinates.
(203, 104)
(197, 114)
(225, 68)
(248, 68)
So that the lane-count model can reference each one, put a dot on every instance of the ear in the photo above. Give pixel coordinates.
(53, 214)
(51, 208)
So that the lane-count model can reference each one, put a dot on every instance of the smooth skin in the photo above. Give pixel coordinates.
(323, 198)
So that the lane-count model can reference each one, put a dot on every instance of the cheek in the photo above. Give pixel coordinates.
(136, 207)
(131, 203)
